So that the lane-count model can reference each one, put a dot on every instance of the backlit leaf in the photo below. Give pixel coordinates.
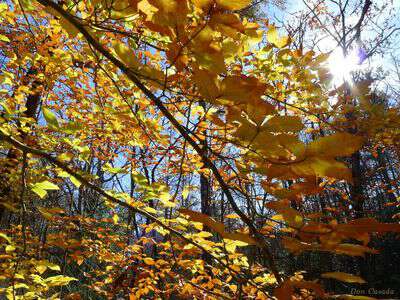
(217, 226)
(3, 38)
(59, 280)
(41, 188)
(338, 144)
(50, 117)
(126, 54)
(274, 38)
(233, 4)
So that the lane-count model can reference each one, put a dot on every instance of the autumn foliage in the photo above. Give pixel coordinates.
(175, 149)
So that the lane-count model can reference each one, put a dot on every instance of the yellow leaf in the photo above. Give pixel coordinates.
(65, 24)
(149, 261)
(21, 286)
(3, 38)
(150, 210)
(10, 248)
(185, 193)
(217, 226)
(41, 268)
(274, 38)
(338, 144)
(240, 89)
(233, 288)
(124, 9)
(363, 225)
(295, 246)
(126, 54)
(231, 245)
(164, 198)
(290, 215)
(204, 234)
(5, 237)
(343, 277)
(50, 117)
(69, 28)
(45, 213)
(233, 4)
(41, 188)
(148, 9)
(203, 4)
(198, 225)
(206, 83)
(53, 267)
(59, 280)
(283, 124)
(3, 6)
(232, 216)
(213, 60)
(115, 218)
(353, 249)
(227, 24)
(75, 181)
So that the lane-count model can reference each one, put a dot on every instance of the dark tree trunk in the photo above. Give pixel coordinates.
(13, 155)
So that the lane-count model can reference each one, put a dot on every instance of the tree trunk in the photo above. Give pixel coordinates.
(13, 155)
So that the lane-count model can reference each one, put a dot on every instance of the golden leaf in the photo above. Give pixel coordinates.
(338, 144)
(233, 4)
(274, 38)
(217, 226)
(206, 83)
(149, 261)
(126, 54)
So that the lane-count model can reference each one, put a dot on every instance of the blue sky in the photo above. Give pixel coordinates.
(328, 44)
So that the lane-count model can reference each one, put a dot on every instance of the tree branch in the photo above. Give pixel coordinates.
(262, 243)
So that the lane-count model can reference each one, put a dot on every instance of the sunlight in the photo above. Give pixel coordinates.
(341, 67)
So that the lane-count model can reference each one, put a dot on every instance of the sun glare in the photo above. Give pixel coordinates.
(341, 67)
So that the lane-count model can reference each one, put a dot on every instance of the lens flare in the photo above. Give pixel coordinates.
(342, 67)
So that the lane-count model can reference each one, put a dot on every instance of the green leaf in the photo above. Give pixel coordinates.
(50, 117)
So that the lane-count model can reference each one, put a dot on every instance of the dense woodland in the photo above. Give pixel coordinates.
(199, 149)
